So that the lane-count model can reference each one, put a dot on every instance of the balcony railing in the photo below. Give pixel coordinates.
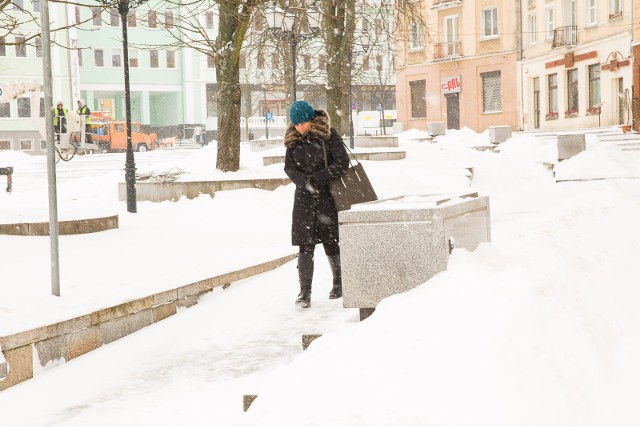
(447, 50)
(445, 4)
(565, 36)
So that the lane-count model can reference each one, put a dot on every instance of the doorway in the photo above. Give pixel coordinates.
(453, 110)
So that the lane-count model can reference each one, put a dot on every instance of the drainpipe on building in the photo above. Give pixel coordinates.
(519, 59)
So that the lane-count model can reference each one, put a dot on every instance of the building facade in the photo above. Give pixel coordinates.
(576, 68)
(458, 65)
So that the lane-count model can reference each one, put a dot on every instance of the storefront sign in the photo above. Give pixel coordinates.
(451, 84)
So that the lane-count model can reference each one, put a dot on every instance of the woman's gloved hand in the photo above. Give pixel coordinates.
(311, 188)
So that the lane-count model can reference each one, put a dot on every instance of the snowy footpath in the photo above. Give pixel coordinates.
(538, 327)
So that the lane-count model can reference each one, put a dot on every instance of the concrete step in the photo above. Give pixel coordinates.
(187, 144)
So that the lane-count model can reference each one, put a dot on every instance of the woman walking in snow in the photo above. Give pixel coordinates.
(315, 219)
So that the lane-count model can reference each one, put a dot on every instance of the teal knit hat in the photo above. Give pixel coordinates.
(301, 112)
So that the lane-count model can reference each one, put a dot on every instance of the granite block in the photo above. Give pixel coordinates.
(570, 145)
(375, 141)
(436, 128)
(163, 311)
(247, 400)
(20, 365)
(499, 134)
(83, 341)
(308, 339)
(393, 245)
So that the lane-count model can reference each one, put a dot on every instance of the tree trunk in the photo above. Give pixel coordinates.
(338, 27)
(234, 21)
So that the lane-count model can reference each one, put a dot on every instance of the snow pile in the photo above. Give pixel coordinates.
(540, 337)
(531, 148)
(464, 137)
(599, 162)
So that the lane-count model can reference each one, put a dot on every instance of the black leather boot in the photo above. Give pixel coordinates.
(305, 273)
(334, 263)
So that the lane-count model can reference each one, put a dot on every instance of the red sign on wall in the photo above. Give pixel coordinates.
(451, 84)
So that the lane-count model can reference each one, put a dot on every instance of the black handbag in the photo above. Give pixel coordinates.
(352, 187)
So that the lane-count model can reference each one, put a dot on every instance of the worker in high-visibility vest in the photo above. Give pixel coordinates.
(83, 110)
(60, 119)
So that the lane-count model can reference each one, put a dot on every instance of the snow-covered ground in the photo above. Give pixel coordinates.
(539, 327)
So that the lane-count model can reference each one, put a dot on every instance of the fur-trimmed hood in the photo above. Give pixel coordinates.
(320, 129)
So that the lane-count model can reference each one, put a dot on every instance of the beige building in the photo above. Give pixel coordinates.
(458, 65)
(576, 64)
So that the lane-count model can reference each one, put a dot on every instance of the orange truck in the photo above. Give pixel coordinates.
(111, 135)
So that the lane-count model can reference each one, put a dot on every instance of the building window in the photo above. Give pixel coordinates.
(378, 27)
(592, 12)
(275, 60)
(18, 5)
(132, 19)
(491, 91)
(152, 19)
(418, 99)
(79, 57)
(572, 91)
(168, 19)
(533, 29)
(548, 22)
(41, 107)
(615, 8)
(307, 62)
(116, 57)
(153, 59)
(415, 36)
(77, 14)
(114, 17)
(552, 83)
(5, 109)
(43, 144)
(5, 144)
(134, 62)
(38, 45)
(594, 86)
(322, 62)
(171, 59)
(36, 6)
(365, 62)
(208, 20)
(25, 144)
(21, 47)
(379, 62)
(490, 22)
(98, 57)
(3, 47)
(243, 61)
(24, 107)
(211, 63)
(96, 13)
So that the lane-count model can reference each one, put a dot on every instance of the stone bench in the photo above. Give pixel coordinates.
(393, 245)
(376, 156)
(71, 338)
(375, 141)
(173, 191)
(265, 144)
(77, 226)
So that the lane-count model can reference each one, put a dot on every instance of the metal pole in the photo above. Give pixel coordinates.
(51, 162)
(351, 142)
(130, 165)
(293, 43)
(266, 121)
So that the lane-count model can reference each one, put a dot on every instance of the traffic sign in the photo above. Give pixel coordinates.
(269, 116)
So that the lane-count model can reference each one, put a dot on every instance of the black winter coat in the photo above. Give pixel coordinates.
(314, 219)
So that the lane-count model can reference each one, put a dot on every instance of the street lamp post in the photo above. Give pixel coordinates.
(281, 23)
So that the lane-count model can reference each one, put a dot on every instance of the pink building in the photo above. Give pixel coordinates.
(458, 65)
